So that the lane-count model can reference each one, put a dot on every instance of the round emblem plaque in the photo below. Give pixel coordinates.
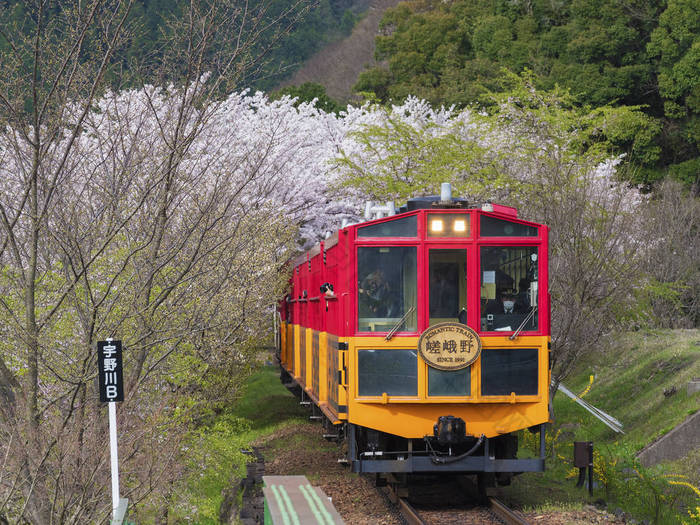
(449, 346)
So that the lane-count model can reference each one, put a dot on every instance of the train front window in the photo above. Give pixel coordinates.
(449, 382)
(390, 371)
(386, 288)
(506, 370)
(448, 286)
(405, 227)
(492, 227)
(509, 288)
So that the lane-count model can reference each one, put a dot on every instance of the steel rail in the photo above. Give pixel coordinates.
(409, 513)
(505, 514)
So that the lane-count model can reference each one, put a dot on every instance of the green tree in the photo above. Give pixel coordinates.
(117, 247)
(456, 52)
(308, 92)
(397, 157)
(675, 44)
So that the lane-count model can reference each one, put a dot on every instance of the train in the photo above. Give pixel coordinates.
(421, 338)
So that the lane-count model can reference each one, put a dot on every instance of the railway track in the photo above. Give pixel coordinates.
(496, 513)
(506, 514)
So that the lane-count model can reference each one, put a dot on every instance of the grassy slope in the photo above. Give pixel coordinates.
(630, 376)
(217, 462)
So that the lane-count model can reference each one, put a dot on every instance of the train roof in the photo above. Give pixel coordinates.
(418, 206)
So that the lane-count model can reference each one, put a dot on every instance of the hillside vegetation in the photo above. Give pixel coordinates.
(641, 379)
(606, 52)
(337, 65)
(292, 30)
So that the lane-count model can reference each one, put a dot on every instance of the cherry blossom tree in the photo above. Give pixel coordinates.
(124, 214)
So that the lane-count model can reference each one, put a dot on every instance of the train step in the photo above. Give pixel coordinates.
(291, 499)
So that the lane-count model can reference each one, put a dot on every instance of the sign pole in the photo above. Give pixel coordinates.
(114, 456)
(109, 363)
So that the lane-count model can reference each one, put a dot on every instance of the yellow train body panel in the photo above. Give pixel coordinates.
(411, 416)
(414, 416)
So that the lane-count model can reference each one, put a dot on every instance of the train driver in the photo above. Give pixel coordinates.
(506, 305)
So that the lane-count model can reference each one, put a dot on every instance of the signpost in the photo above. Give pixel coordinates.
(109, 366)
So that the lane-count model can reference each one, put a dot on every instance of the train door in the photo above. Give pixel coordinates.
(447, 302)
(447, 286)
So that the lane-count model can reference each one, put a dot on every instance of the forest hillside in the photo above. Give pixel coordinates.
(636, 54)
(337, 65)
(286, 32)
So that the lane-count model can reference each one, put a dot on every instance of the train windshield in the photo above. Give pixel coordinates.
(493, 227)
(508, 288)
(386, 288)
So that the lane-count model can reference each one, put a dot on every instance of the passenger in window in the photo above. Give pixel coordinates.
(375, 294)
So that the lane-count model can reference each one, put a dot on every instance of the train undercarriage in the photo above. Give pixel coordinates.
(493, 460)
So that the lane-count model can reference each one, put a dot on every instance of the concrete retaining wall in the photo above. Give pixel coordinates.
(674, 445)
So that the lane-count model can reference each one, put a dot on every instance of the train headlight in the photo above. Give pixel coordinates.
(460, 225)
(437, 226)
(448, 225)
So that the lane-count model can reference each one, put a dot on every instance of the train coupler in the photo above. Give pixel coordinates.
(450, 430)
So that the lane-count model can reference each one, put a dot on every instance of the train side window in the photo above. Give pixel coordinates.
(492, 227)
(386, 288)
(404, 227)
(509, 288)
(392, 371)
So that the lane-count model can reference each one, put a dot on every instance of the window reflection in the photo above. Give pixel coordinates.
(492, 227)
(449, 382)
(406, 227)
(508, 288)
(506, 370)
(386, 288)
(394, 372)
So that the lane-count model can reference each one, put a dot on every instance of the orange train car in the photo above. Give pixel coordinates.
(423, 338)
